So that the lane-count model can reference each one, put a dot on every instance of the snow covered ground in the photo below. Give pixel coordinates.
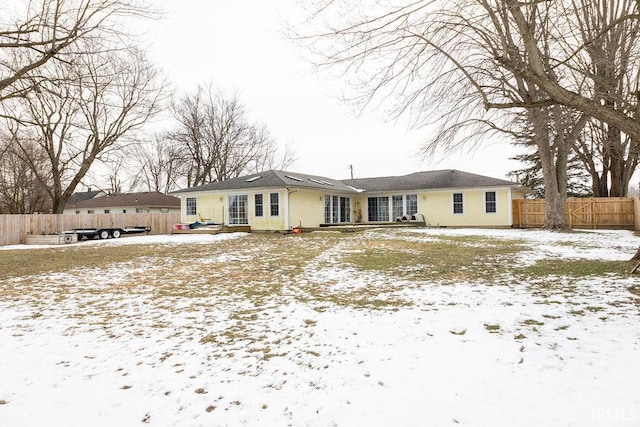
(460, 354)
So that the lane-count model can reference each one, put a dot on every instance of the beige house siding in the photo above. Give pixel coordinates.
(213, 207)
(210, 207)
(437, 208)
(266, 221)
(305, 208)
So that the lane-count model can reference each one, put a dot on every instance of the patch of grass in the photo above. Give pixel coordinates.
(492, 328)
(442, 259)
(634, 290)
(573, 268)
(530, 322)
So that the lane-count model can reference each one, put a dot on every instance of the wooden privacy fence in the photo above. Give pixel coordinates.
(14, 228)
(595, 212)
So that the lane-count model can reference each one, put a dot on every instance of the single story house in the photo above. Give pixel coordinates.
(279, 200)
(146, 202)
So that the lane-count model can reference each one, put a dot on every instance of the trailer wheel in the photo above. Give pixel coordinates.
(104, 234)
(115, 234)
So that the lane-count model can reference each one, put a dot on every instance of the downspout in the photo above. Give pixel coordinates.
(509, 207)
(286, 211)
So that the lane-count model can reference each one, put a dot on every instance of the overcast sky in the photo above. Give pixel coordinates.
(239, 45)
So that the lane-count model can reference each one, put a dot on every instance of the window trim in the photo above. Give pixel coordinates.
(236, 220)
(406, 203)
(380, 210)
(191, 209)
(275, 205)
(460, 203)
(494, 201)
(258, 213)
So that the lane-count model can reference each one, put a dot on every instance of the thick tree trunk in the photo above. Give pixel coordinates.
(553, 171)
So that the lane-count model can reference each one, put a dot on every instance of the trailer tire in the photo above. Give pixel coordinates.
(104, 234)
(68, 239)
(116, 234)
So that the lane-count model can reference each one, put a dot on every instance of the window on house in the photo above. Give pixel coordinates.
(378, 209)
(458, 203)
(140, 210)
(124, 211)
(274, 204)
(258, 204)
(345, 209)
(78, 211)
(90, 211)
(164, 210)
(396, 206)
(191, 206)
(238, 209)
(327, 209)
(490, 202)
(107, 211)
(412, 204)
(337, 209)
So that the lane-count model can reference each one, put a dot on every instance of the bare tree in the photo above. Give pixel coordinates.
(21, 190)
(88, 108)
(611, 62)
(34, 32)
(220, 140)
(162, 166)
(469, 65)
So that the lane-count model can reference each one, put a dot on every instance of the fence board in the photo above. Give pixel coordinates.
(14, 228)
(595, 212)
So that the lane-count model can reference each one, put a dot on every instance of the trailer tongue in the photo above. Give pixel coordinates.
(107, 232)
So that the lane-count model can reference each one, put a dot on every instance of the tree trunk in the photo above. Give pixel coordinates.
(552, 171)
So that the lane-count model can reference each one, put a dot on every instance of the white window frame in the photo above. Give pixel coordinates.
(337, 209)
(261, 204)
(190, 206)
(406, 203)
(453, 203)
(379, 210)
(238, 220)
(495, 202)
(272, 204)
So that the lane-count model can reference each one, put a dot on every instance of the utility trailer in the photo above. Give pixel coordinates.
(107, 232)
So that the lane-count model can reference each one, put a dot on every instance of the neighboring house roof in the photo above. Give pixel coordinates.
(274, 179)
(450, 178)
(148, 199)
(82, 196)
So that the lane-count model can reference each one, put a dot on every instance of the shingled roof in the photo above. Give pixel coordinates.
(146, 199)
(274, 179)
(449, 178)
(83, 195)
